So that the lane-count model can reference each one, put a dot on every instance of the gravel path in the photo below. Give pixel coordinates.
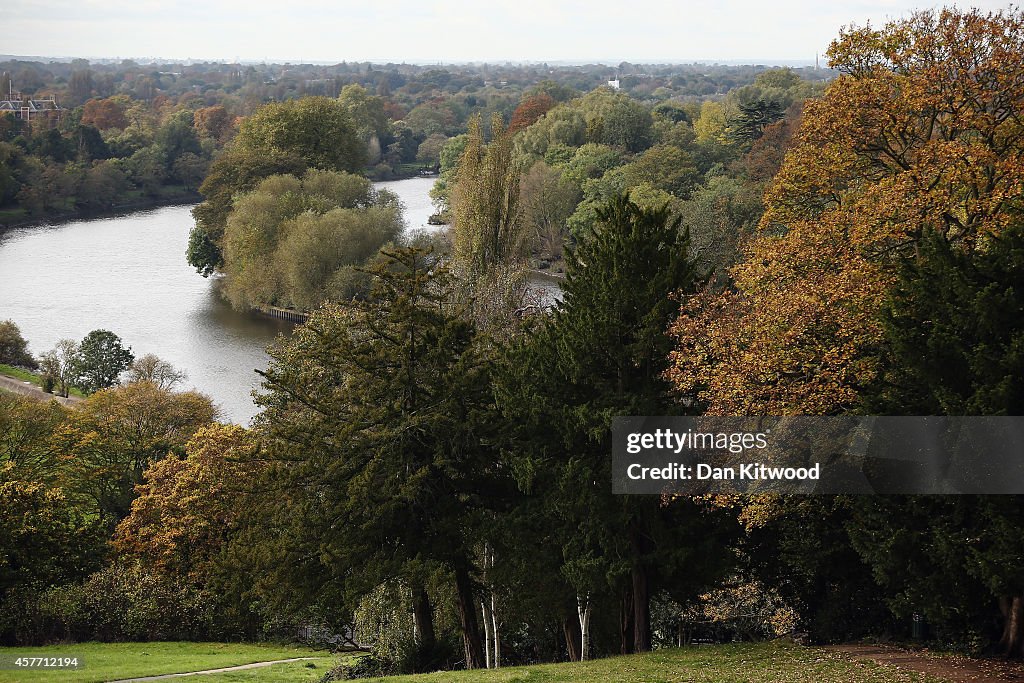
(18, 386)
(243, 667)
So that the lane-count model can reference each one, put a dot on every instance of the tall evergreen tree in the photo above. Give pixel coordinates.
(374, 411)
(603, 353)
(953, 345)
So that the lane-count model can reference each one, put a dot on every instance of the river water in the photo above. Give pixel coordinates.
(128, 274)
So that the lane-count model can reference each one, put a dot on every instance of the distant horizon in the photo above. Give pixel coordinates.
(609, 62)
(459, 32)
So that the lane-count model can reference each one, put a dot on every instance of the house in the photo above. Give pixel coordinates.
(31, 109)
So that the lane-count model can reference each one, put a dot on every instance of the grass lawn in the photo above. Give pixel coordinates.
(741, 663)
(28, 376)
(113, 661)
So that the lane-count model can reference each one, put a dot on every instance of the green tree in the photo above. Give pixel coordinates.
(485, 200)
(60, 363)
(281, 137)
(375, 417)
(601, 354)
(318, 130)
(547, 200)
(298, 243)
(234, 172)
(13, 347)
(45, 540)
(954, 337)
(754, 117)
(101, 359)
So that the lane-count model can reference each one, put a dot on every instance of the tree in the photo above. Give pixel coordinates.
(105, 114)
(429, 151)
(485, 200)
(665, 167)
(281, 137)
(754, 117)
(601, 354)
(213, 122)
(60, 363)
(529, 110)
(101, 359)
(116, 433)
(26, 428)
(13, 347)
(547, 200)
(318, 130)
(233, 172)
(902, 143)
(150, 368)
(45, 540)
(186, 508)
(375, 414)
(297, 243)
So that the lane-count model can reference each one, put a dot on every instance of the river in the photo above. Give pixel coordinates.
(128, 274)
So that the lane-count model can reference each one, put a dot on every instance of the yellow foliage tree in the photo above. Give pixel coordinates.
(921, 131)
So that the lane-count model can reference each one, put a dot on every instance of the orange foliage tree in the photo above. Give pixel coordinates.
(922, 131)
(188, 506)
(529, 110)
(106, 113)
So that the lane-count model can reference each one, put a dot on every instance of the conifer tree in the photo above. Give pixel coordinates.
(603, 353)
(374, 414)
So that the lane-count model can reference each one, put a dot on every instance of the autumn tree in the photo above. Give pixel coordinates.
(529, 110)
(117, 433)
(186, 506)
(904, 141)
(45, 540)
(213, 122)
(106, 114)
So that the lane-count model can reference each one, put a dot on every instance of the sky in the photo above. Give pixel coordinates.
(450, 31)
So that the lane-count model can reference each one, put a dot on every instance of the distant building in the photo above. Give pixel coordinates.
(31, 110)
(614, 84)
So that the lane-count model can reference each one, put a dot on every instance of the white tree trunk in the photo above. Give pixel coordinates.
(583, 609)
(494, 618)
(485, 609)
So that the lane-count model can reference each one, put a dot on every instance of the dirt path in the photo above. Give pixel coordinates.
(242, 667)
(954, 669)
(32, 391)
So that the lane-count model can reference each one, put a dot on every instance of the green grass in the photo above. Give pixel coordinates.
(29, 376)
(740, 663)
(113, 661)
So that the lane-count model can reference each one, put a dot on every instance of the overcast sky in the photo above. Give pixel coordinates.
(447, 31)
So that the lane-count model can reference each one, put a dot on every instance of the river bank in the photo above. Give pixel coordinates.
(121, 209)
